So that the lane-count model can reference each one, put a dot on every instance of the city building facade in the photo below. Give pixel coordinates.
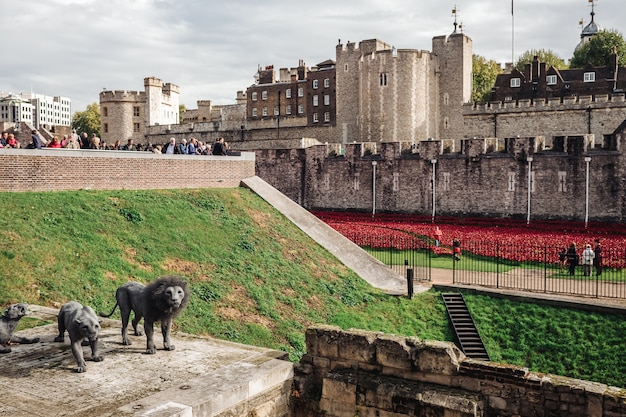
(36, 110)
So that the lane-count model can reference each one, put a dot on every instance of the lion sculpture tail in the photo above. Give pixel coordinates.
(103, 314)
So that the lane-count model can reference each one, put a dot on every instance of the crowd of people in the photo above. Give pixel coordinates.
(85, 141)
(589, 258)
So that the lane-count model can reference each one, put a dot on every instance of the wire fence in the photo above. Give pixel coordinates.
(532, 267)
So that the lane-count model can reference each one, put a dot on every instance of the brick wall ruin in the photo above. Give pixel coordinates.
(358, 373)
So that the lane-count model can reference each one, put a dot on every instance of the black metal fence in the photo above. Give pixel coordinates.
(532, 267)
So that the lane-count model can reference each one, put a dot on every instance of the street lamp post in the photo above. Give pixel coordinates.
(373, 188)
(434, 162)
(587, 161)
(530, 166)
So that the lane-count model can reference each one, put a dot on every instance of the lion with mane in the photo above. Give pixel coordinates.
(160, 301)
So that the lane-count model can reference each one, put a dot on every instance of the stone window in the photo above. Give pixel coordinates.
(446, 99)
(264, 111)
(255, 112)
(288, 109)
(106, 128)
(327, 181)
(300, 109)
(264, 95)
(316, 84)
(562, 181)
(326, 100)
(396, 181)
(136, 111)
(357, 176)
(315, 100)
(589, 77)
(254, 95)
(446, 123)
(511, 183)
(515, 82)
(105, 111)
(326, 83)
(276, 111)
(327, 117)
(316, 118)
(300, 92)
(136, 127)
(446, 182)
(288, 93)
(345, 68)
(551, 79)
(383, 78)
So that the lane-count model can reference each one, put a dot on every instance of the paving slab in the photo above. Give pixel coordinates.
(203, 376)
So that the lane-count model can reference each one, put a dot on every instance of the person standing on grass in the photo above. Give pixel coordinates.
(456, 248)
(572, 258)
(587, 260)
(597, 261)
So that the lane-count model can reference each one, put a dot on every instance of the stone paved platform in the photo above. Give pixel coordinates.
(201, 377)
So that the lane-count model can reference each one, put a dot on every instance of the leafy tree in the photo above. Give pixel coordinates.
(181, 109)
(483, 77)
(599, 50)
(88, 120)
(551, 58)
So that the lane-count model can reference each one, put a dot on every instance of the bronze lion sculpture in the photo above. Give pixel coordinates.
(8, 322)
(161, 300)
(81, 324)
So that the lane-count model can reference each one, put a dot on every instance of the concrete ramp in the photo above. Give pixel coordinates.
(363, 264)
(201, 377)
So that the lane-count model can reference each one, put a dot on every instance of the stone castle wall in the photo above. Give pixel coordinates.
(373, 374)
(64, 169)
(488, 177)
(598, 115)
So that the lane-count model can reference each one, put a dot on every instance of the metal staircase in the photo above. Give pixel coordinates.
(464, 327)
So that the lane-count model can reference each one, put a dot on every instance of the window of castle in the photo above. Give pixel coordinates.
(589, 77)
(264, 111)
(383, 78)
(136, 127)
(255, 112)
(105, 111)
(136, 111)
(288, 93)
(106, 128)
(515, 82)
(327, 181)
(345, 68)
(446, 99)
(356, 180)
(446, 182)
(511, 184)
(288, 109)
(562, 181)
(276, 111)
(326, 100)
(396, 181)
(316, 84)
(264, 95)
(446, 123)
(315, 100)
(300, 109)
(254, 95)
(551, 79)
(327, 117)
(327, 83)
(300, 92)
(316, 118)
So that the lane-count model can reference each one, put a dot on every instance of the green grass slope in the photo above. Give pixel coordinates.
(257, 279)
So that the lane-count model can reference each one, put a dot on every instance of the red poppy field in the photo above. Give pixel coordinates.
(508, 239)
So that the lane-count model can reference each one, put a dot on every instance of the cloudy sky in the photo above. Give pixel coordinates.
(211, 49)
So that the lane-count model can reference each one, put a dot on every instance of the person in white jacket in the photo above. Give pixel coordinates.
(587, 260)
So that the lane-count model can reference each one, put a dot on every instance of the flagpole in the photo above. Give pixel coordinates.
(512, 35)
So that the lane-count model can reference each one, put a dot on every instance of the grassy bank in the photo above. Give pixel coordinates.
(256, 278)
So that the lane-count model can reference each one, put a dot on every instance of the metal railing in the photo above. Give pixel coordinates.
(532, 267)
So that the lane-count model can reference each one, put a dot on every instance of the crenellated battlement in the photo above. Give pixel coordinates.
(550, 104)
(121, 95)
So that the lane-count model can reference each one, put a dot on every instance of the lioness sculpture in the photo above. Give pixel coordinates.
(8, 322)
(161, 300)
(81, 323)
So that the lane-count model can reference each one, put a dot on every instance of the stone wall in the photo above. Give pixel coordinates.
(488, 177)
(64, 169)
(358, 373)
